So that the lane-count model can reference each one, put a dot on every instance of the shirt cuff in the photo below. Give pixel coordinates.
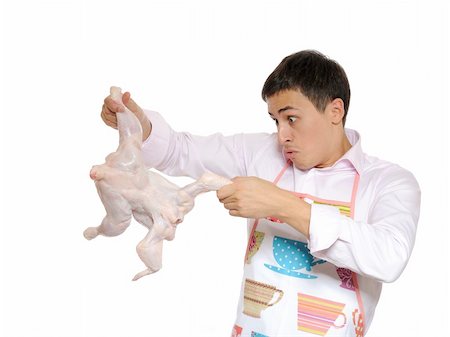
(156, 146)
(327, 225)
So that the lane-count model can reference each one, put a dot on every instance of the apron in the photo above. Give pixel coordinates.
(288, 292)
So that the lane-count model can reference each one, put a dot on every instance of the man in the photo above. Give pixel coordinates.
(328, 224)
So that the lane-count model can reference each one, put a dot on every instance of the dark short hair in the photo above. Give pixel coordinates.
(317, 77)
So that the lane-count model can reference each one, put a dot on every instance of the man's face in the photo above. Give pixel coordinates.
(307, 135)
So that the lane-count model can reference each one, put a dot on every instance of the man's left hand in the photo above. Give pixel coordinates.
(250, 197)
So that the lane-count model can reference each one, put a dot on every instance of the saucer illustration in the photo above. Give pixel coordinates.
(288, 272)
(293, 257)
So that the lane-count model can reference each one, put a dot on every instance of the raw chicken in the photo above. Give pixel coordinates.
(127, 188)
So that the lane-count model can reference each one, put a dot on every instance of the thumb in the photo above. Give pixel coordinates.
(126, 98)
(131, 104)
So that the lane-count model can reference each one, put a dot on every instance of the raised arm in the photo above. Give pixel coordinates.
(184, 154)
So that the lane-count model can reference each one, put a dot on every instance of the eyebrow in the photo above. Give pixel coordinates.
(288, 107)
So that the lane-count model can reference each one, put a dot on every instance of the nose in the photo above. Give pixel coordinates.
(284, 134)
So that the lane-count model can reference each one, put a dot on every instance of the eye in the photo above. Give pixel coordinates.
(292, 119)
(276, 121)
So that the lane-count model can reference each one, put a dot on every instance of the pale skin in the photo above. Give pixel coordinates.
(309, 138)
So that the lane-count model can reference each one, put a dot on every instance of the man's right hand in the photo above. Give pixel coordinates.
(110, 108)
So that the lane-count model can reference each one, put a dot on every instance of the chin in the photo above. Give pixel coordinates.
(302, 166)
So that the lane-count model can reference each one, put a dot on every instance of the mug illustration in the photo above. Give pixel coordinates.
(237, 330)
(292, 256)
(346, 278)
(358, 322)
(259, 296)
(317, 315)
(253, 247)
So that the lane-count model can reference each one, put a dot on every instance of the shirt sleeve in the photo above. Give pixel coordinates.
(184, 154)
(378, 248)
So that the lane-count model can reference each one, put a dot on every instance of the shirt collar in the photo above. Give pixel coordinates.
(353, 158)
(354, 155)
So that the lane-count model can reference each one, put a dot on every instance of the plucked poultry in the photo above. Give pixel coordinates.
(128, 189)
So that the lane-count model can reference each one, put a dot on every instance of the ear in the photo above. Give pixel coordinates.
(336, 110)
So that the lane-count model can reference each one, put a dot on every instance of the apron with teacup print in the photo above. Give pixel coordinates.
(287, 292)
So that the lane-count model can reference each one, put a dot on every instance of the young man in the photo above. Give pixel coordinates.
(328, 224)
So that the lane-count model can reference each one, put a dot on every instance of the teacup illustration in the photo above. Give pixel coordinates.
(317, 315)
(255, 243)
(259, 296)
(346, 278)
(292, 256)
(257, 334)
(237, 330)
(358, 322)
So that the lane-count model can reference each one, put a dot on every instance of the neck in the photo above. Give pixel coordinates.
(345, 145)
(342, 146)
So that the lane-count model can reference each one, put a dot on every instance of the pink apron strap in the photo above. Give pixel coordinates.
(354, 192)
(359, 322)
(255, 224)
(283, 170)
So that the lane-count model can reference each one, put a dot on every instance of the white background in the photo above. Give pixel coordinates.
(202, 64)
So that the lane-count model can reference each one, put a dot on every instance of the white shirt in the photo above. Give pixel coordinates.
(376, 244)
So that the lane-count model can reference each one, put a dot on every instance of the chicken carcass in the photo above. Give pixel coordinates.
(127, 189)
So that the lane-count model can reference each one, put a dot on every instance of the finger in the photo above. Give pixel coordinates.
(109, 118)
(234, 212)
(110, 122)
(227, 200)
(107, 111)
(131, 104)
(113, 125)
(225, 192)
(230, 205)
(112, 105)
(241, 180)
(126, 97)
(107, 114)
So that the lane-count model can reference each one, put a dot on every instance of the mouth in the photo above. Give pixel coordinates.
(289, 154)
